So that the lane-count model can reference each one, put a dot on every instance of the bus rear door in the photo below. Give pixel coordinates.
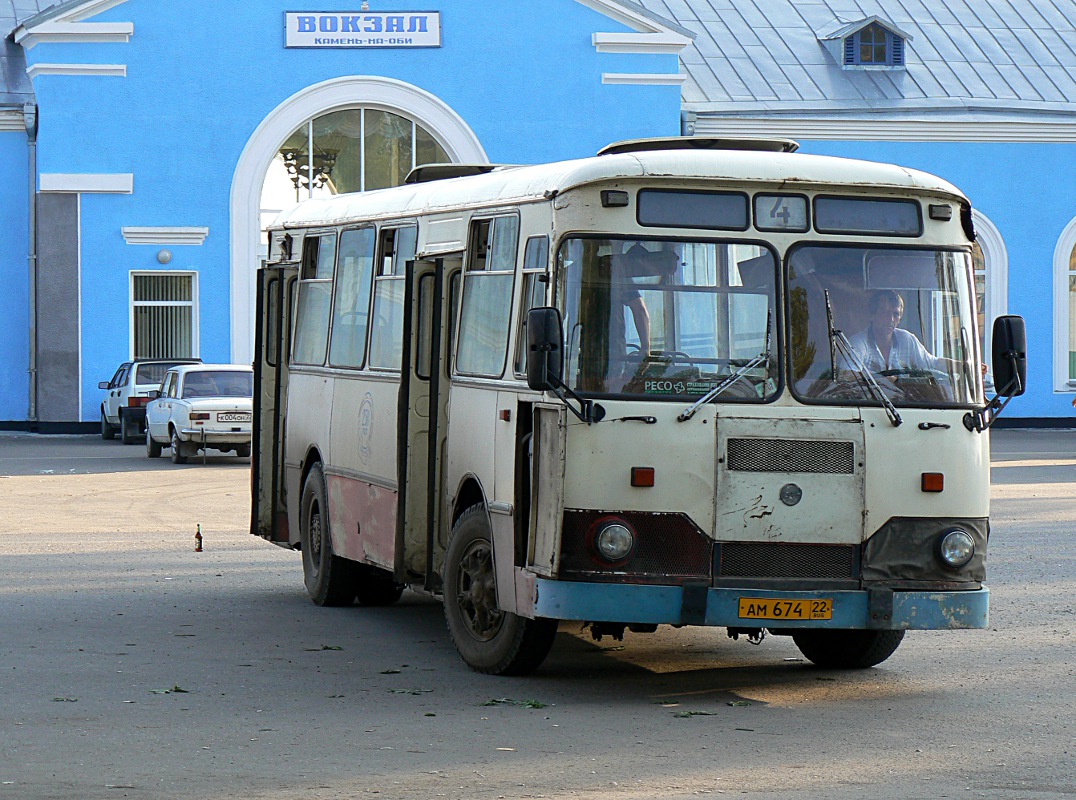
(272, 335)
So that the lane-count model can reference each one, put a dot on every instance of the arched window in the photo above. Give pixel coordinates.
(990, 262)
(1065, 310)
(351, 150)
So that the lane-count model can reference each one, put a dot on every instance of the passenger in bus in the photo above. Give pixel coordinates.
(883, 347)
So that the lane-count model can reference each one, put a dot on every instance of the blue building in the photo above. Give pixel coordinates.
(144, 144)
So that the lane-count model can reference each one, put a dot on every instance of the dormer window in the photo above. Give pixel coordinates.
(874, 46)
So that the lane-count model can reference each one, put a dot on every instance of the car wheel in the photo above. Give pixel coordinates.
(375, 587)
(243, 451)
(108, 432)
(128, 429)
(330, 580)
(179, 452)
(488, 639)
(844, 649)
(153, 447)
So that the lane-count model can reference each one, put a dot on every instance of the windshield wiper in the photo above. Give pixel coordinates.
(838, 342)
(757, 361)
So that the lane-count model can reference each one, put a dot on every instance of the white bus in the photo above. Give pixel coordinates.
(686, 382)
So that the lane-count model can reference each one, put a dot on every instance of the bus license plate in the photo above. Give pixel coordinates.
(769, 608)
(234, 417)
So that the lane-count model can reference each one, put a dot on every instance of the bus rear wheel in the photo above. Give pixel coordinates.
(847, 649)
(330, 580)
(488, 639)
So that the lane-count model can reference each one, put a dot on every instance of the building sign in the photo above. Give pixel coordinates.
(365, 29)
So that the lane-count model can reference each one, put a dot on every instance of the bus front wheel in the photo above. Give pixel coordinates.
(330, 580)
(847, 649)
(488, 639)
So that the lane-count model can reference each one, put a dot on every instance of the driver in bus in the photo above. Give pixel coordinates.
(883, 347)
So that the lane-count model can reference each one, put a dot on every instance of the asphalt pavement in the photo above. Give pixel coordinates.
(132, 666)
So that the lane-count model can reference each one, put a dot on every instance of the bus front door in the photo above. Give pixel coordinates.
(422, 424)
(272, 335)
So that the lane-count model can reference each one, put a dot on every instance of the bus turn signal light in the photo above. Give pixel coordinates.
(642, 477)
(933, 481)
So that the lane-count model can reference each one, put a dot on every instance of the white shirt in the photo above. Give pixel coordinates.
(905, 352)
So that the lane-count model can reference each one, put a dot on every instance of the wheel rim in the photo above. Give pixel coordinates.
(476, 592)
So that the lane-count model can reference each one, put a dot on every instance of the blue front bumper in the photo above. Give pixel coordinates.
(702, 605)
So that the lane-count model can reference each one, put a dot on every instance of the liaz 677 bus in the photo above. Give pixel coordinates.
(683, 382)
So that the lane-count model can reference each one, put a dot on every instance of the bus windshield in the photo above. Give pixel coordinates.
(669, 318)
(875, 323)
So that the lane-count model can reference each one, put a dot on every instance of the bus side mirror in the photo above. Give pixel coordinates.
(1010, 356)
(545, 348)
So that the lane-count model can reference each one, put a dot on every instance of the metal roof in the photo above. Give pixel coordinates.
(537, 183)
(15, 87)
(979, 55)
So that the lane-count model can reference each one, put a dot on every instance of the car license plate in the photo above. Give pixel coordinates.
(769, 608)
(234, 417)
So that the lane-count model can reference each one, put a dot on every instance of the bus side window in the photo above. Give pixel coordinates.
(487, 297)
(386, 340)
(354, 278)
(315, 300)
(535, 268)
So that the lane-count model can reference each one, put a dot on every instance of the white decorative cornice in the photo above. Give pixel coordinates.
(120, 183)
(644, 78)
(887, 129)
(666, 42)
(11, 119)
(96, 70)
(166, 236)
(625, 16)
(74, 33)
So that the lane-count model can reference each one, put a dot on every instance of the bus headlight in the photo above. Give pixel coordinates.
(614, 541)
(956, 548)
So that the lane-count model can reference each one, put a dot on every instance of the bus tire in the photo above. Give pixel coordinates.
(329, 579)
(847, 649)
(489, 640)
(375, 587)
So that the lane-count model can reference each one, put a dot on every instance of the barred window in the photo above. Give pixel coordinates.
(164, 315)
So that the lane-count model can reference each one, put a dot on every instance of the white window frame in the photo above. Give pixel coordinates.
(1062, 254)
(196, 351)
(996, 258)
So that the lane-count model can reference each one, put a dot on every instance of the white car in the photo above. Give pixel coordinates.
(124, 406)
(201, 407)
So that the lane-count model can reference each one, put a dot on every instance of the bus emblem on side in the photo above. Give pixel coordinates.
(366, 427)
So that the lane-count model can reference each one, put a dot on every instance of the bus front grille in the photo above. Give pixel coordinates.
(762, 560)
(791, 455)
